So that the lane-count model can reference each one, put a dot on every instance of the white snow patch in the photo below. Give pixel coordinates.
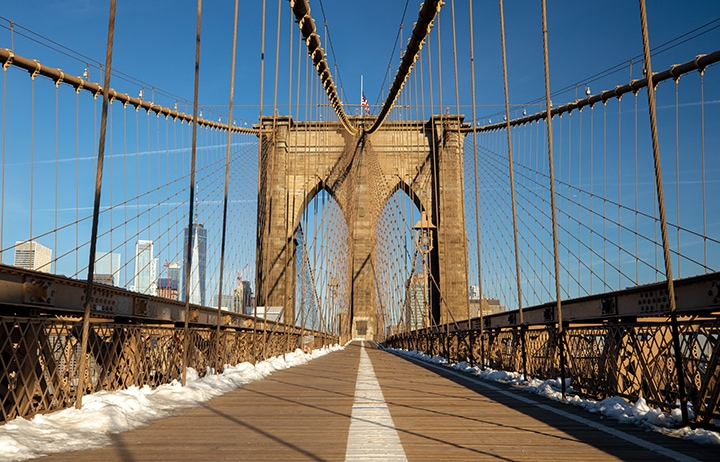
(106, 412)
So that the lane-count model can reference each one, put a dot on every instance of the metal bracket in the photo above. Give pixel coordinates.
(549, 313)
(714, 292)
(140, 306)
(608, 306)
(654, 301)
(38, 291)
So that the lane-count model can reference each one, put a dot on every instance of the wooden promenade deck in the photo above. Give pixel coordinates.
(305, 413)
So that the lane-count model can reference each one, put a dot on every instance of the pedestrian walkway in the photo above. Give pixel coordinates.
(363, 403)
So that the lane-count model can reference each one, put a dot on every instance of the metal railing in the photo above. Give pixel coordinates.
(39, 357)
(611, 352)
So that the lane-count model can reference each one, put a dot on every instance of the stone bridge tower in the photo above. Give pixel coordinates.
(424, 159)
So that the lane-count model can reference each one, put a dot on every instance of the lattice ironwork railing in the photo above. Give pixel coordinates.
(39, 358)
(628, 359)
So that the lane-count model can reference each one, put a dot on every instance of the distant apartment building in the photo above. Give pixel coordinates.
(489, 306)
(167, 288)
(242, 298)
(33, 256)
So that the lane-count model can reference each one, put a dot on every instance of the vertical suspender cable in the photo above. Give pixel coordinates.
(32, 154)
(579, 201)
(2, 162)
(637, 207)
(191, 231)
(82, 363)
(57, 175)
(125, 182)
(260, 157)
(512, 189)
(477, 192)
(568, 189)
(77, 181)
(149, 182)
(277, 61)
(677, 168)
(227, 183)
(466, 338)
(702, 169)
(275, 114)
(561, 333)
(604, 235)
(619, 180)
(291, 224)
(663, 221)
(592, 192)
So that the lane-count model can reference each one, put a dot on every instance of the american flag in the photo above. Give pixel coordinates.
(364, 103)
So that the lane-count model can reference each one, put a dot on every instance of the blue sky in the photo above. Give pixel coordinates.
(154, 51)
(154, 43)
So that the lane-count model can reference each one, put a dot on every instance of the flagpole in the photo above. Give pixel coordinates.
(361, 93)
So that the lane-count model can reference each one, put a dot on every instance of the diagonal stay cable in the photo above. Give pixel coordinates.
(422, 27)
(301, 9)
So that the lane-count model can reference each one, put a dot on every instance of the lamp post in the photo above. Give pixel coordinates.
(423, 231)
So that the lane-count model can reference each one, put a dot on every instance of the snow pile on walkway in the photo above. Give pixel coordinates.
(104, 412)
(617, 408)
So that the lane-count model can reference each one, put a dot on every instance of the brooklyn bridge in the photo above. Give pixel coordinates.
(406, 190)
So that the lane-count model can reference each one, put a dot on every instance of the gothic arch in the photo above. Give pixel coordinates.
(306, 158)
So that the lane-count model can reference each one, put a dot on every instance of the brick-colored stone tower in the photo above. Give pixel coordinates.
(424, 159)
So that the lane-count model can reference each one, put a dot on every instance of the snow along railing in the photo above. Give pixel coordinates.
(40, 356)
(622, 345)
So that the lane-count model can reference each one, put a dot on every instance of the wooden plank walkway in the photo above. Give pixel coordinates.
(305, 413)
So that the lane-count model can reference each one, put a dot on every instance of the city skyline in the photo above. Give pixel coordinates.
(147, 278)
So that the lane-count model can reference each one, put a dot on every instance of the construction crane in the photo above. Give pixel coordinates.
(241, 274)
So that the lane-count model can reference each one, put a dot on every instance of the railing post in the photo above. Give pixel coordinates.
(482, 349)
(523, 347)
(471, 341)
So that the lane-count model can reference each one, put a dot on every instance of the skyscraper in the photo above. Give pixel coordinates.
(145, 268)
(173, 273)
(169, 286)
(107, 268)
(32, 255)
(197, 269)
(242, 295)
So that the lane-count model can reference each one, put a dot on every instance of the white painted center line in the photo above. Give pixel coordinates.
(372, 430)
